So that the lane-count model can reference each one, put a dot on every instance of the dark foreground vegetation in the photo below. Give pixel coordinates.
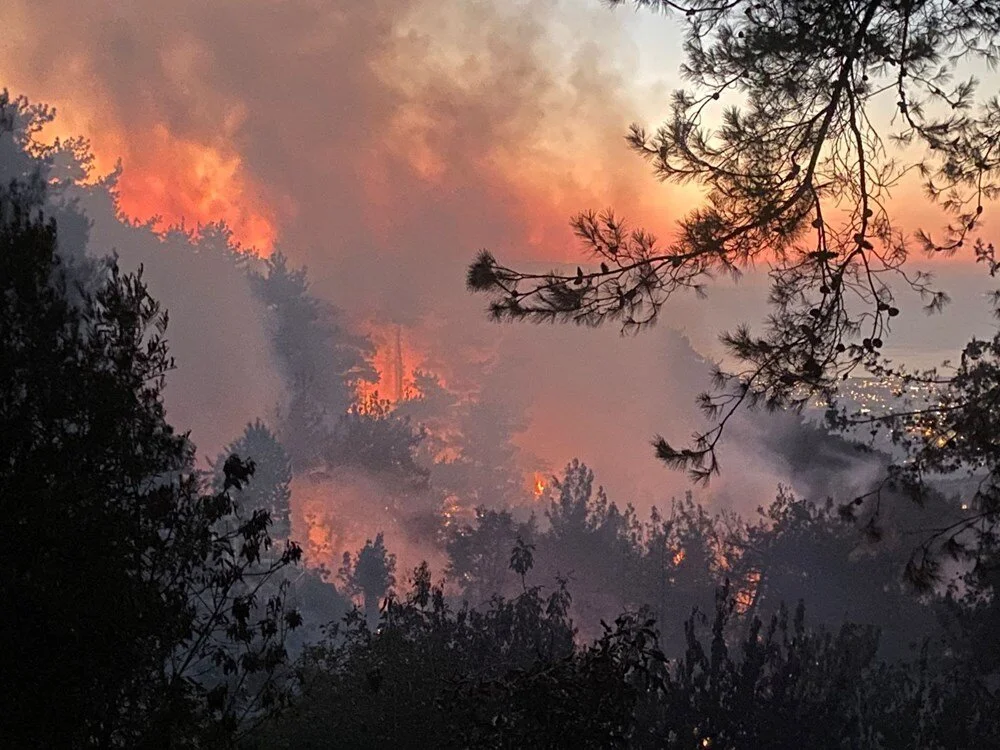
(511, 675)
(153, 602)
(155, 605)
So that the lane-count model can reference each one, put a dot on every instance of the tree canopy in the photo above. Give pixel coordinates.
(143, 608)
(270, 489)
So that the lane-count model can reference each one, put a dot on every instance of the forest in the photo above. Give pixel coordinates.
(365, 552)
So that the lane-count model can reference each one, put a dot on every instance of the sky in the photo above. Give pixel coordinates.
(382, 143)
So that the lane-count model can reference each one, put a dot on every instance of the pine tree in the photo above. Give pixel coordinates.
(270, 489)
(781, 126)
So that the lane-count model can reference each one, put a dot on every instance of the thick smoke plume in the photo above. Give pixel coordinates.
(379, 144)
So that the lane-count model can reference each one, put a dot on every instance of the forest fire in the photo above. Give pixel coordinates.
(190, 182)
(398, 496)
(177, 182)
(395, 361)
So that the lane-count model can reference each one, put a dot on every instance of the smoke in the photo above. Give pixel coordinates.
(225, 374)
(338, 513)
(216, 335)
(380, 144)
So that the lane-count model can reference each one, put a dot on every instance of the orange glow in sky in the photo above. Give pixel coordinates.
(192, 183)
(182, 182)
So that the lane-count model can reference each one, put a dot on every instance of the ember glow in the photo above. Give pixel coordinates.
(538, 487)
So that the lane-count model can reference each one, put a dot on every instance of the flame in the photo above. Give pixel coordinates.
(679, 556)
(320, 537)
(177, 181)
(395, 360)
(337, 512)
(539, 485)
(746, 595)
(184, 181)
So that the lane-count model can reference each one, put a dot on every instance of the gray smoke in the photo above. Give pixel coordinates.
(387, 141)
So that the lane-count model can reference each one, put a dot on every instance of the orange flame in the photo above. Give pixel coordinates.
(539, 485)
(177, 181)
(190, 182)
(395, 361)
(319, 538)
(745, 596)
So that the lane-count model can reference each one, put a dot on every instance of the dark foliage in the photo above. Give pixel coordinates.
(144, 615)
(479, 554)
(507, 675)
(512, 675)
(792, 687)
(370, 574)
(372, 438)
(270, 489)
(672, 562)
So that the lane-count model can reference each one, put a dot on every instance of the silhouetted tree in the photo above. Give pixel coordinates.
(479, 554)
(490, 468)
(138, 616)
(370, 574)
(270, 490)
(322, 360)
(373, 438)
(686, 558)
(798, 550)
(595, 545)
